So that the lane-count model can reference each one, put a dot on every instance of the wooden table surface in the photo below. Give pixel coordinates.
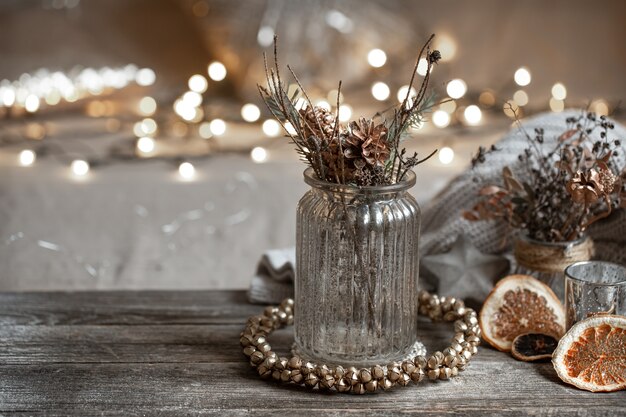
(162, 353)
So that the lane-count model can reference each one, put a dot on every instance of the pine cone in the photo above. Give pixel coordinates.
(366, 143)
(318, 122)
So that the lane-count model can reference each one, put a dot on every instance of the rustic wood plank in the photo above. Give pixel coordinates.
(125, 307)
(172, 353)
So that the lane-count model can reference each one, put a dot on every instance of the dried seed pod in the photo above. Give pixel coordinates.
(311, 380)
(285, 375)
(408, 367)
(393, 373)
(450, 361)
(296, 376)
(258, 340)
(322, 371)
(281, 364)
(327, 381)
(344, 385)
(475, 340)
(264, 372)
(377, 372)
(365, 375)
(371, 386)
(420, 361)
(433, 374)
(249, 350)
(339, 372)
(404, 379)
(531, 347)
(307, 368)
(417, 375)
(246, 340)
(386, 384)
(460, 326)
(450, 316)
(270, 363)
(276, 374)
(445, 373)
(358, 388)
(265, 347)
(455, 371)
(295, 362)
(257, 357)
(352, 375)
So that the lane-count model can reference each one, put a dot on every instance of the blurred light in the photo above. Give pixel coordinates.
(376, 58)
(52, 98)
(198, 83)
(522, 76)
(95, 108)
(79, 167)
(8, 97)
(200, 8)
(456, 88)
(600, 107)
(448, 106)
(520, 98)
(422, 67)
(265, 37)
(258, 154)
(510, 108)
(380, 91)
(556, 105)
(290, 129)
(559, 92)
(446, 46)
(446, 155)
(487, 98)
(271, 128)
(339, 21)
(147, 106)
(32, 103)
(145, 144)
(402, 94)
(217, 71)
(145, 77)
(192, 98)
(441, 118)
(218, 127)
(473, 115)
(148, 126)
(345, 113)
(332, 97)
(35, 131)
(250, 112)
(186, 171)
(323, 104)
(27, 157)
(184, 110)
(204, 130)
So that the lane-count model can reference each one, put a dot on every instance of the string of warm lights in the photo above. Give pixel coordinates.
(462, 106)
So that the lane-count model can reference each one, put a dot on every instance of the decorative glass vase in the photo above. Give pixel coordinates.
(357, 271)
(547, 261)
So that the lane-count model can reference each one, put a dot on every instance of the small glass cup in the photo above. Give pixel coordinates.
(594, 287)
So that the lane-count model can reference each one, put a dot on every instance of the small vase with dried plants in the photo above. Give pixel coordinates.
(557, 194)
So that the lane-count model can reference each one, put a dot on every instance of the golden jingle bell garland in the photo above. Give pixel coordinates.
(440, 365)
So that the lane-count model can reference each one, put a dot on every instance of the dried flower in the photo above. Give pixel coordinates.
(585, 188)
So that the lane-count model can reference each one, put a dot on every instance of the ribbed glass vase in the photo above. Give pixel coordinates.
(357, 271)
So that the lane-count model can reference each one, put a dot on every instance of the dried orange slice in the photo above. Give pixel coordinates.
(520, 304)
(592, 354)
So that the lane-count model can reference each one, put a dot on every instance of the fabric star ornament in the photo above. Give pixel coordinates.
(464, 271)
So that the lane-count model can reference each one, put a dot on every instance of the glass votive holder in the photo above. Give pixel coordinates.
(594, 287)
